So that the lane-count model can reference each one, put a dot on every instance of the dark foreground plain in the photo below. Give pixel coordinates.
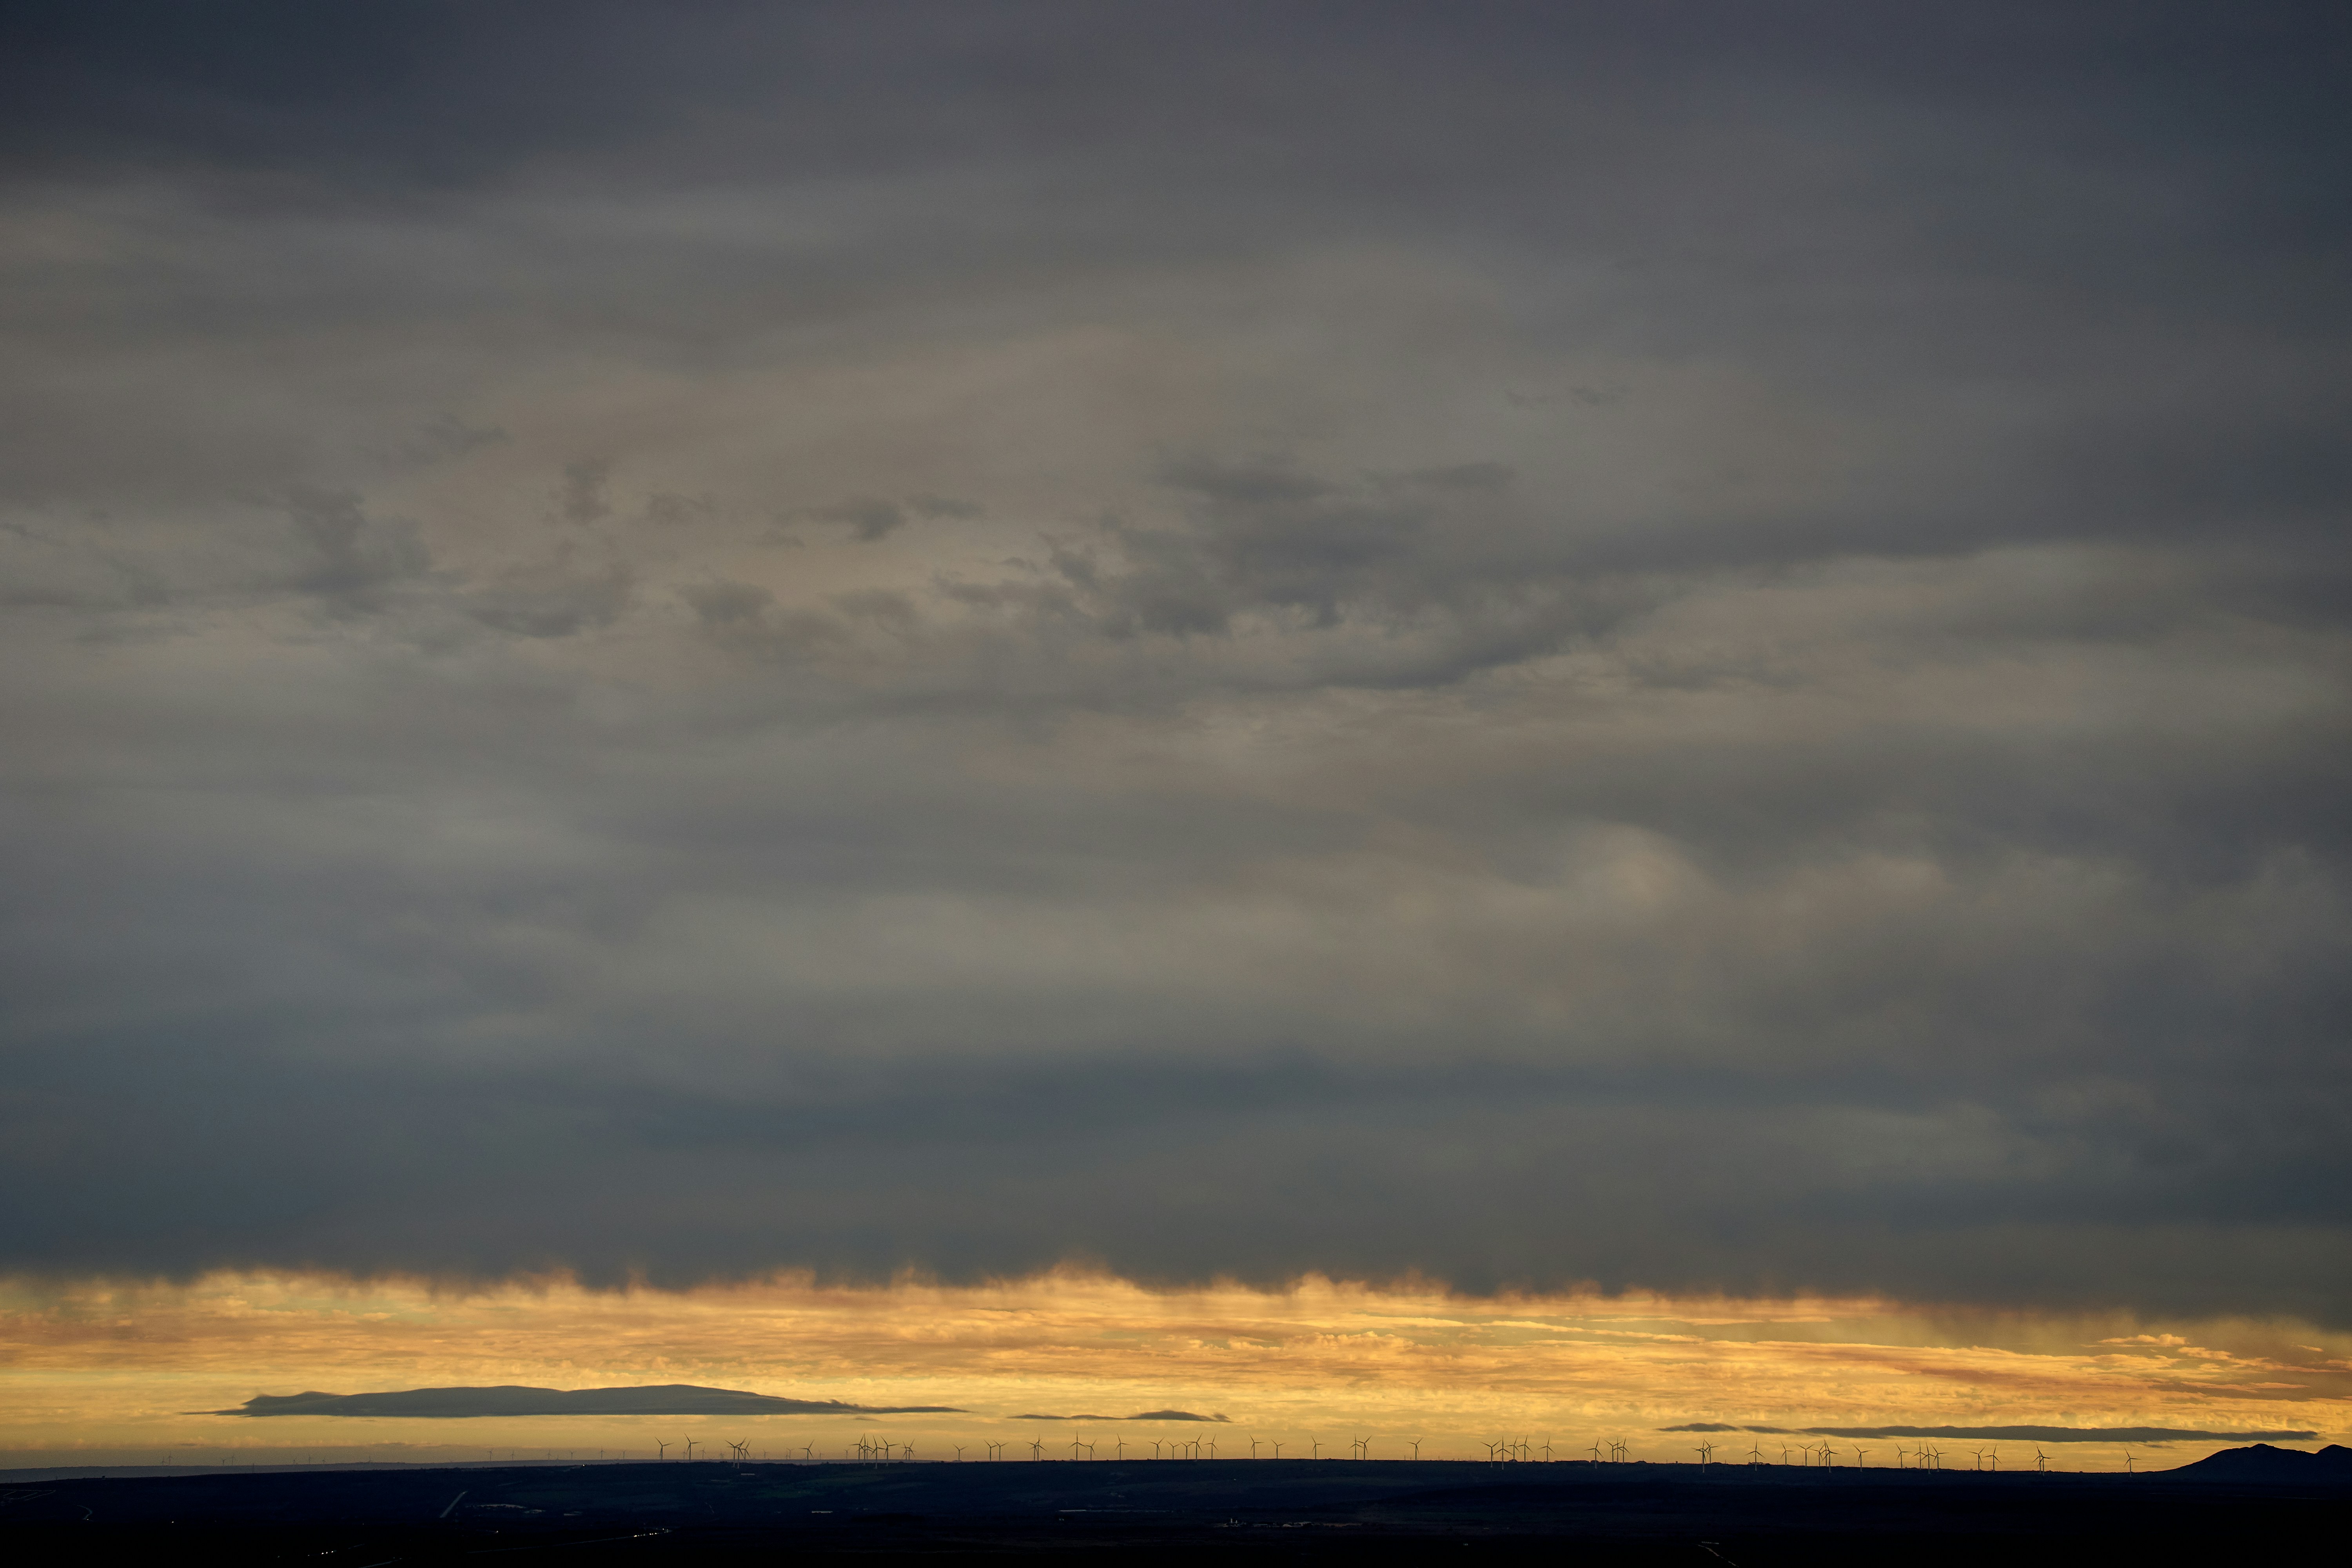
(1143, 1511)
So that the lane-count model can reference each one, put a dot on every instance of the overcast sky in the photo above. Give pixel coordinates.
(1680, 645)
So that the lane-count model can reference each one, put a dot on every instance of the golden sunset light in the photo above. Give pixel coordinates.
(114, 1372)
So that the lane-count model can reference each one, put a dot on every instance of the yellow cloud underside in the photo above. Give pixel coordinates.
(105, 1368)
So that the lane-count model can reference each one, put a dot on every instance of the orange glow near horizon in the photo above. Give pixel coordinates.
(111, 1372)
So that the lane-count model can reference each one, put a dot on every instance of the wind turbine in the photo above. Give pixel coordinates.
(1212, 1447)
(1317, 1451)
(958, 1448)
(1596, 1451)
(690, 1450)
(1416, 1446)
(1755, 1456)
(1253, 1444)
(1037, 1448)
(1277, 1448)
(1155, 1448)
(1119, 1448)
(2041, 1460)
(664, 1450)
(1995, 1454)
(2128, 1460)
(1860, 1454)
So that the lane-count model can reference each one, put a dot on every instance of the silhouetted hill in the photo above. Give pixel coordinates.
(1145, 1512)
(667, 1399)
(2332, 1466)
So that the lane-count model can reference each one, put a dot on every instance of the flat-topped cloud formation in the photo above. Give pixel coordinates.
(2010, 1433)
(663, 1399)
(1141, 1415)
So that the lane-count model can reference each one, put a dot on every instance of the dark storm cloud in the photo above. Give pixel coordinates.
(1541, 644)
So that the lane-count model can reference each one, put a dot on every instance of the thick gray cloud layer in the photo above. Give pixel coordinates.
(1696, 646)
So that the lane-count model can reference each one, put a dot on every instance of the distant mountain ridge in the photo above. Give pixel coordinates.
(664, 1399)
(2332, 1466)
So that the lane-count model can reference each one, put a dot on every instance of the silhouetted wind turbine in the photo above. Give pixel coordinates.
(662, 1450)
(1037, 1448)
(1416, 1446)
(2041, 1460)
(2128, 1460)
